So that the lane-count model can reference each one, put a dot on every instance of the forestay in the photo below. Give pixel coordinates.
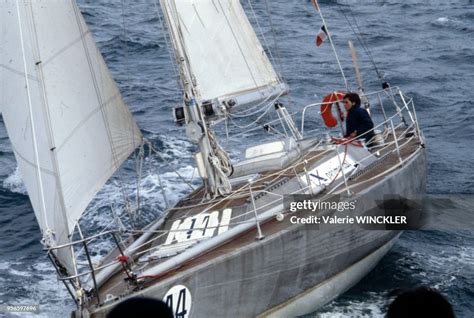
(68, 125)
(224, 57)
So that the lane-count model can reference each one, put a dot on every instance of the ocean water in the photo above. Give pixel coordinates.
(425, 47)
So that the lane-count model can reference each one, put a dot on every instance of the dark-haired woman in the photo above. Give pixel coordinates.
(358, 121)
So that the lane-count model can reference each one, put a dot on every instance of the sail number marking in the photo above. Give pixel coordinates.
(178, 298)
(203, 225)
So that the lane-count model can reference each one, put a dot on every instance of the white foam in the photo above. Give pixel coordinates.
(466, 255)
(176, 148)
(14, 182)
(46, 287)
(440, 269)
(9, 267)
(371, 308)
(442, 20)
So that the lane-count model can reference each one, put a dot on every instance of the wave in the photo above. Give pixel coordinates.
(121, 43)
(14, 183)
(31, 284)
(368, 305)
(453, 23)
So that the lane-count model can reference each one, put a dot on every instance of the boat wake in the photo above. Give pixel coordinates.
(370, 305)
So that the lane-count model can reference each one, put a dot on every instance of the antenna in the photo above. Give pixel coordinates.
(355, 62)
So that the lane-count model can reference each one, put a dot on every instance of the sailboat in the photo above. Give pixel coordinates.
(229, 248)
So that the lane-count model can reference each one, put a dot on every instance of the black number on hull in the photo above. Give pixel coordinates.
(181, 305)
(180, 311)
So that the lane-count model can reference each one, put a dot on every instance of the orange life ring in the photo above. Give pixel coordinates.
(326, 108)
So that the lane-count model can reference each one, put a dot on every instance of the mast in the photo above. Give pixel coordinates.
(197, 129)
(223, 67)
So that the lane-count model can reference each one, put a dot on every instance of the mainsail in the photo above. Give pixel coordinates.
(68, 125)
(226, 61)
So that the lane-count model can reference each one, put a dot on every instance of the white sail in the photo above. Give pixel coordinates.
(224, 55)
(68, 125)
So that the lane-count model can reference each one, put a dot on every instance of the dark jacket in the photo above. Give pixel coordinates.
(358, 119)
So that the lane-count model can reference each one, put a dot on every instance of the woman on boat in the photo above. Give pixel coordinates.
(358, 121)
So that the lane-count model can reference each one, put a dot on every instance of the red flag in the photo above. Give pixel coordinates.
(321, 36)
(315, 4)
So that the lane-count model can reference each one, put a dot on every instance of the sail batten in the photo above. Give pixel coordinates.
(222, 51)
(70, 112)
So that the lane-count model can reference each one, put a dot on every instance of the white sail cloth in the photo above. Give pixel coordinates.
(224, 55)
(68, 125)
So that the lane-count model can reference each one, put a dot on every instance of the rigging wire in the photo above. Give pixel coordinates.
(260, 30)
(267, 126)
(333, 48)
(153, 149)
(275, 42)
(277, 49)
(48, 231)
(125, 42)
(361, 40)
(133, 212)
(266, 110)
(250, 111)
(168, 49)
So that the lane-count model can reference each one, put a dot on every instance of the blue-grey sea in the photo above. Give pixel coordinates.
(425, 47)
